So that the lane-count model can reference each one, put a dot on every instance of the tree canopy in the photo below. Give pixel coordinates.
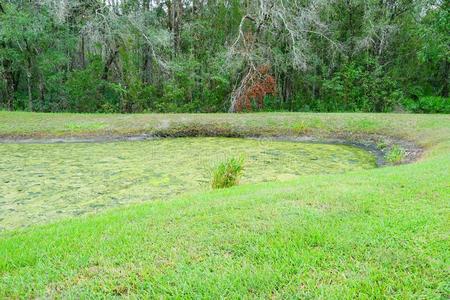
(224, 55)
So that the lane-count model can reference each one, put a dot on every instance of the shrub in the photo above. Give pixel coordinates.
(434, 105)
(395, 155)
(89, 92)
(227, 173)
(429, 104)
(361, 87)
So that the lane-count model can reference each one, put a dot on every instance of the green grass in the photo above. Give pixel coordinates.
(420, 128)
(380, 233)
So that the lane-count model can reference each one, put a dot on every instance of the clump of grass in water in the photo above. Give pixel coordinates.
(227, 173)
(382, 145)
(395, 155)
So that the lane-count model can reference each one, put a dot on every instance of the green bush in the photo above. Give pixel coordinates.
(428, 104)
(88, 92)
(433, 104)
(360, 87)
(227, 173)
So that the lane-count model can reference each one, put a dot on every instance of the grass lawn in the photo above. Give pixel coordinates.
(375, 233)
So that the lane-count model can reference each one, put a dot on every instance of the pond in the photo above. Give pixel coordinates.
(45, 182)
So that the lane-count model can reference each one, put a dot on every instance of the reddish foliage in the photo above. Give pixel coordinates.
(260, 84)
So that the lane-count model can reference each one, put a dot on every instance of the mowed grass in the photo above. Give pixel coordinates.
(380, 233)
(420, 128)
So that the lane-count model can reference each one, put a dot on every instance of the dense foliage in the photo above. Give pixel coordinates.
(207, 55)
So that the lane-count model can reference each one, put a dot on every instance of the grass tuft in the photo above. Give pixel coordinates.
(227, 173)
(300, 128)
(381, 145)
(395, 155)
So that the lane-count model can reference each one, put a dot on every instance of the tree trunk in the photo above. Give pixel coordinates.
(169, 15)
(30, 90)
(108, 64)
(146, 52)
(444, 92)
(177, 11)
(4, 95)
(287, 89)
(82, 53)
(41, 90)
(147, 66)
(10, 88)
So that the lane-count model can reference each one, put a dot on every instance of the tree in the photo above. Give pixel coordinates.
(195, 55)
(266, 22)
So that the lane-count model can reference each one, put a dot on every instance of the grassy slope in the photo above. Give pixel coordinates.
(421, 128)
(373, 233)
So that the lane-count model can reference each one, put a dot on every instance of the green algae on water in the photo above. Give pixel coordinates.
(40, 183)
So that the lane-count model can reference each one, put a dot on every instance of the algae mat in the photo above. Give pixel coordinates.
(40, 183)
